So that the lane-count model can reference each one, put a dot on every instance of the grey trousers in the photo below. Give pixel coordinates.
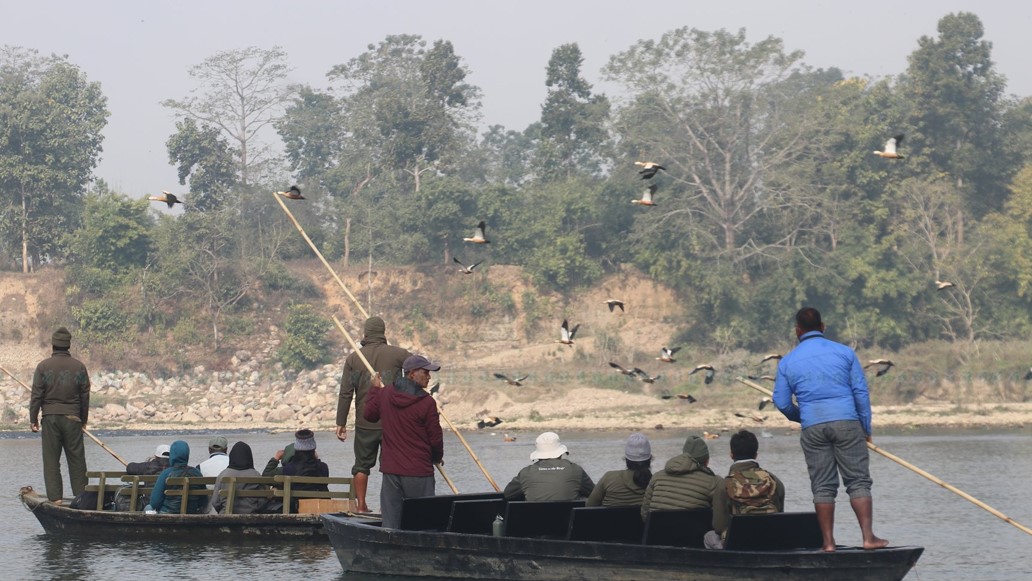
(832, 449)
(62, 433)
(395, 489)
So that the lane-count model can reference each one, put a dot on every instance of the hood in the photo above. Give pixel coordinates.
(683, 464)
(179, 453)
(375, 331)
(240, 457)
(405, 392)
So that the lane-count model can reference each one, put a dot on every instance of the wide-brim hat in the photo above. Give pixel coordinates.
(547, 446)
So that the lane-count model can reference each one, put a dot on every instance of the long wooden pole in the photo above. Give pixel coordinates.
(84, 430)
(372, 372)
(920, 472)
(319, 254)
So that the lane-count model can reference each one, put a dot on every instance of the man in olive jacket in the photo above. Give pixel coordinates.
(686, 482)
(61, 392)
(354, 384)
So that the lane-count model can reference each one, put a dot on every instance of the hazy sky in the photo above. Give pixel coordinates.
(140, 50)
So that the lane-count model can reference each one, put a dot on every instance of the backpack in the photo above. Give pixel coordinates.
(751, 491)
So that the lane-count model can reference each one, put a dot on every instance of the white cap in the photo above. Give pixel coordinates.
(162, 451)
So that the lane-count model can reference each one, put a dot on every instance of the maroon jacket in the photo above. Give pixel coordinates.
(412, 437)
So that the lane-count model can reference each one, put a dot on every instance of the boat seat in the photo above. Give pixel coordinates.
(678, 527)
(606, 524)
(542, 520)
(137, 486)
(431, 513)
(230, 492)
(103, 492)
(184, 487)
(779, 531)
(475, 517)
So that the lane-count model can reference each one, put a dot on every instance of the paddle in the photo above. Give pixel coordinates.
(373, 373)
(84, 430)
(919, 471)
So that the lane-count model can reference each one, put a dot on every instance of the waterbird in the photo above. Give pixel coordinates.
(566, 334)
(686, 397)
(646, 196)
(710, 436)
(666, 355)
(507, 438)
(761, 377)
(883, 366)
(294, 193)
(488, 422)
(478, 235)
(890, 148)
(648, 169)
(517, 382)
(771, 356)
(622, 369)
(763, 403)
(167, 197)
(943, 284)
(645, 377)
(708, 369)
(753, 417)
(466, 269)
(1029, 374)
(613, 303)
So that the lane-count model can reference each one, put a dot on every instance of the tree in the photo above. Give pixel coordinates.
(115, 234)
(51, 119)
(202, 155)
(240, 92)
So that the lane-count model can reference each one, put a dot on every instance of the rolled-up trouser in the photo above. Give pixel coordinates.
(835, 448)
(367, 444)
(395, 489)
(62, 433)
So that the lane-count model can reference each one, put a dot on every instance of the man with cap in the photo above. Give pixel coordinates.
(833, 407)
(217, 460)
(550, 476)
(686, 482)
(354, 385)
(412, 439)
(626, 487)
(61, 392)
(154, 465)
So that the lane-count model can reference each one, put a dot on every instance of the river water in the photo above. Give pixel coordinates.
(961, 540)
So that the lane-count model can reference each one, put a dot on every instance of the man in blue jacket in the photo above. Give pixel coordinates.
(833, 405)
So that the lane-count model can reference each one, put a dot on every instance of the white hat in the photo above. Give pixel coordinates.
(547, 446)
(162, 451)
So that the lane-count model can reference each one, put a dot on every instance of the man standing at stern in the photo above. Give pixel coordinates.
(61, 392)
(834, 407)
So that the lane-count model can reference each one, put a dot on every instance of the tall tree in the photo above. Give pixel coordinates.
(202, 156)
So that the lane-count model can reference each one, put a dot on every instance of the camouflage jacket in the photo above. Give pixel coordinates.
(775, 497)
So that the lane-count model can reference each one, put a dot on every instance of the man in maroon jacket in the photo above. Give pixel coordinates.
(412, 437)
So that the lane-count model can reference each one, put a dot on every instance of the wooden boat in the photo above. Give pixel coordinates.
(669, 550)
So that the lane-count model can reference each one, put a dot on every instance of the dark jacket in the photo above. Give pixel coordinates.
(179, 458)
(304, 463)
(153, 466)
(550, 479)
(684, 483)
(616, 488)
(412, 438)
(61, 386)
(241, 464)
(356, 381)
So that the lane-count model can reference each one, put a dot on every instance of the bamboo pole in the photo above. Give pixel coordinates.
(373, 373)
(84, 430)
(319, 254)
(920, 472)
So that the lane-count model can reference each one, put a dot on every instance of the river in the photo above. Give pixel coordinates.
(961, 540)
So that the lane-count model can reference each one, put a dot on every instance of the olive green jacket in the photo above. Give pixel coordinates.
(355, 381)
(61, 386)
(686, 484)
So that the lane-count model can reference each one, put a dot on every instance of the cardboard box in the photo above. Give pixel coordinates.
(323, 505)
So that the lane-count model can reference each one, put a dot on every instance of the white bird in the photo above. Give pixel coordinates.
(646, 196)
(566, 334)
(478, 235)
(466, 269)
(943, 284)
(890, 148)
(708, 369)
(883, 366)
(613, 303)
(666, 355)
(517, 382)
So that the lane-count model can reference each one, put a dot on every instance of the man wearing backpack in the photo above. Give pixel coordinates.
(747, 489)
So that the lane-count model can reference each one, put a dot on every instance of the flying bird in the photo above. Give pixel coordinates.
(622, 369)
(478, 235)
(566, 334)
(709, 372)
(943, 284)
(763, 403)
(167, 197)
(686, 397)
(646, 196)
(890, 148)
(753, 417)
(771, 356)
(883, 366)
(759, 377)
(466, 269)
(645, 377)
(518, 382)
(666, 354)
(648, 169)
(613, 303)
(294, 193)
(488, 422)
(1028, 375)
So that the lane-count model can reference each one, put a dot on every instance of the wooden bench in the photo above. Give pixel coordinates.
(543, 520)
(475, 517)
(103, 487)
(181, 486)
(230, 492)
(781, 531)
(137, 485)
(287, 492)
(606, 524)
(678, 528)
(432, 513)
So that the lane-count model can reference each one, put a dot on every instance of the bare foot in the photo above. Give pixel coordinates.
(828, 548)
(875, 543)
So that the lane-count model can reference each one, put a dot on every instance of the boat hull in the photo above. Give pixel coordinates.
(364, 547)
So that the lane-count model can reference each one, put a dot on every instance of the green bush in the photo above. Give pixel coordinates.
(306, 345)
(101, 320)
(277, 277)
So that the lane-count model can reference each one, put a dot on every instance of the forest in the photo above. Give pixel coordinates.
(770, 198)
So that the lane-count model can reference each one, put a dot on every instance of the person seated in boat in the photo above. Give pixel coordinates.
(153, 465)
(274, 467)
(686, 482)
(747, 489)
(179, 460)
(550, 476)
(241, 464)
(217, 459)
(305, 462)
(626, 487)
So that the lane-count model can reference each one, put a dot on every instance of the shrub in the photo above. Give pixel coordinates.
(306, 346)
(101, 320)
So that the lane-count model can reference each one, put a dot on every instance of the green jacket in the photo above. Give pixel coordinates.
(684, 483)
(355, 381)
(61, 386)
(550, 479)
(616, 488)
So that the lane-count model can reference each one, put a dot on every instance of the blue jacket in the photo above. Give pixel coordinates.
(827, 381)
(178, 458)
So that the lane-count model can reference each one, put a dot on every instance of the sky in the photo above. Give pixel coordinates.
(141, 51)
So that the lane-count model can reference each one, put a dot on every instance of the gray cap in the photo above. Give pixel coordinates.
(218, 443)
(638, 448)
